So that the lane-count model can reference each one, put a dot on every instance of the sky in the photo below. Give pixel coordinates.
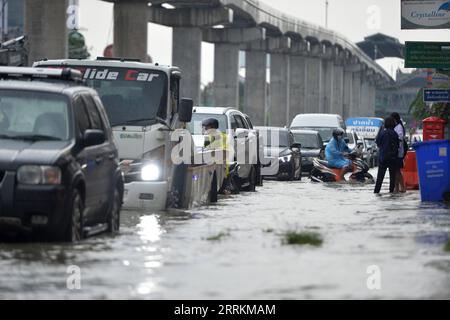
(354, 19)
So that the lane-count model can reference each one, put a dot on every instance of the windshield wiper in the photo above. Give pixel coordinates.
(34, 137)
(132, 121)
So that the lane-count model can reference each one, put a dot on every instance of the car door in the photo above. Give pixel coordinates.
(86, 158)
(243, 146)
(231, 134)
(100, 159)
(110, 148)
(253, 142)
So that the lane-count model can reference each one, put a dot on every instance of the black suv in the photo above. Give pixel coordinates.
(59, 166)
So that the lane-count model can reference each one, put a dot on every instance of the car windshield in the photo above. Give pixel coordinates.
(31, 115)
(325, 132)
(307, 140)
(275, 138)
(370, 142)
(351, 138)
(195, 126)
(130, 96)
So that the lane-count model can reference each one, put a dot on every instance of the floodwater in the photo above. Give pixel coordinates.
(235, 250)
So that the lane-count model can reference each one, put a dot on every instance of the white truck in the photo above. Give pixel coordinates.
(144, 108)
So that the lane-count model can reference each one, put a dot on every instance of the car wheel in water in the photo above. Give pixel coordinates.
(252, 181)
(114, 212)
(73, 230)
(369, 178)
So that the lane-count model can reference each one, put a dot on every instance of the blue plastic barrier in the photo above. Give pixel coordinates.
(433, 161)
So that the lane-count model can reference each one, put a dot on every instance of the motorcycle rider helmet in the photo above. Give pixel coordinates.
(210, 123)
(338, 132)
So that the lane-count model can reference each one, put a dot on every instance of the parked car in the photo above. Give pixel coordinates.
(311, 146)
(367, 152)
(259, 148)
(323, 123)
(59, 166)
(280, 143)
(240, 135)
(352, 139)
(373, 149)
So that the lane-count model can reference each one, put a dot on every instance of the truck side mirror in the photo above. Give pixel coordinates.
(185, 112)
(296, 145)
(241, 133)
(93, 137)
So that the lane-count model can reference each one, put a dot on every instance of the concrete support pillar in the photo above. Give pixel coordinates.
(371, 100)
(348, 93)
(130, 29)
(297, 92)
(328, 87)
(255, 91)
(226, 75)
(187, 55)
(45, 25)
(365, 98)
(337, 104)
(356, 95)
(314, 95)
(279, 90)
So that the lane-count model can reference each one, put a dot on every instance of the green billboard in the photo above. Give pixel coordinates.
(427, 55)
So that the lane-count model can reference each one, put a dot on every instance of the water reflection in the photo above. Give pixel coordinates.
(149, 229)
(167, 255)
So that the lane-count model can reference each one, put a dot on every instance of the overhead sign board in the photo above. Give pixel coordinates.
(427, 55)
(425, 14)
(436, 95)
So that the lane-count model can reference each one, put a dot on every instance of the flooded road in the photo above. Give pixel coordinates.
(235, 250)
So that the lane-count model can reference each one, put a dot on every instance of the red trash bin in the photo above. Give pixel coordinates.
(433, 128)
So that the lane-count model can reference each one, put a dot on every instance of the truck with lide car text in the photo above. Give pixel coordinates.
(144, 108)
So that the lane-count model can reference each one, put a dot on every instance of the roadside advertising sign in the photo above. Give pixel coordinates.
(425, 14)
(365, 127)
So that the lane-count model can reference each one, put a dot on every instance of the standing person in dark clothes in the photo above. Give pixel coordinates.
(388, 144)
(400, 129)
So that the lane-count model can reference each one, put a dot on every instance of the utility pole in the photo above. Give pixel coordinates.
(326, 13)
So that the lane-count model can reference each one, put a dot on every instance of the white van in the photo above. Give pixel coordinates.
(323, 123)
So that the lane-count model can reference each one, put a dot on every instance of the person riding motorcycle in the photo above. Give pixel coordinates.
(337, 149)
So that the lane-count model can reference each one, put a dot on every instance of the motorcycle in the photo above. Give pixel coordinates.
(322, 172)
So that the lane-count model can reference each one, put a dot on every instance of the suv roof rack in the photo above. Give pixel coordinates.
(64, 74)
(118, 59)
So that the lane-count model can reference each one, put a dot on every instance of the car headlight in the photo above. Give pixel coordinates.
(39, 175)
(150, 172)
(285, 158)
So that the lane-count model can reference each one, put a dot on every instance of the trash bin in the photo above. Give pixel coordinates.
(434, 168)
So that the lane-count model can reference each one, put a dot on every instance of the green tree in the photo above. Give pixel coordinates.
(77, 46)
(420, 110)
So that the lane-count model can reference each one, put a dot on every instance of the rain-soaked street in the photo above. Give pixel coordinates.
(235, 250)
